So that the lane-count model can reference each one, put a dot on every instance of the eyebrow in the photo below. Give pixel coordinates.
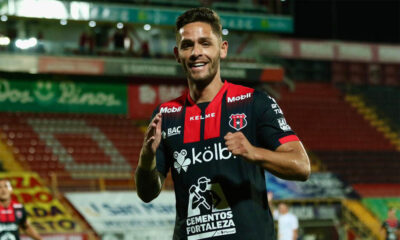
(200, 39)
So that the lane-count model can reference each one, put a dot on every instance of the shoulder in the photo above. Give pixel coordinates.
(172, 106)
(239, 89)
(238, 93)
(292, 216)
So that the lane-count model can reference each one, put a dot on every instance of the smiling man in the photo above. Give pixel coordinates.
(228, 135)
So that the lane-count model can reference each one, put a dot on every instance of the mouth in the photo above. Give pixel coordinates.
(197, 66)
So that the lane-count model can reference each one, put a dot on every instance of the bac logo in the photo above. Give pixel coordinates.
(238, 121)
(174, 131)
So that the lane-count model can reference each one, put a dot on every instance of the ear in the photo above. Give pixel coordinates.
(224, 49)
(9, 186)
(176, 53)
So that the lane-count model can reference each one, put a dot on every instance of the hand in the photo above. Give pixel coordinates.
(270, 196)
(152, 137)
(238, 144)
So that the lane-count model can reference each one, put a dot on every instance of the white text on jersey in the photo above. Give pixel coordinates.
(170, 109)
(199, 117)
(238, 98)
(174, 131)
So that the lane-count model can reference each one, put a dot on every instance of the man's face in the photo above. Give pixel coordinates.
(5, 190)
(283, 208)
(392, 213)
(199, 50)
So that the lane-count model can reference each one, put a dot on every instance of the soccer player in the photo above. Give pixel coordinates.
(391, 226)
(13, 216)
(217, 139)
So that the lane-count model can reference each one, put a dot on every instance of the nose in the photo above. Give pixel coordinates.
(196, 50)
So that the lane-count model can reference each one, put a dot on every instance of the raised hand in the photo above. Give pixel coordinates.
(152, 138)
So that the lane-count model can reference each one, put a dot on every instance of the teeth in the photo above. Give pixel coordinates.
(198, 64)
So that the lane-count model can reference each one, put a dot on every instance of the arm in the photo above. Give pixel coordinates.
(148, 180)
(270, 196)
(31, 231)
(288, 161)
(295, 234)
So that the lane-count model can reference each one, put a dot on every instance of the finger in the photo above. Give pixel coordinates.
(236, 151)
(153, 124)
(149, 127)
(158, 125)
(237, 134)
(150, 140)
(229, 141)
(228, 136)
(231, 146)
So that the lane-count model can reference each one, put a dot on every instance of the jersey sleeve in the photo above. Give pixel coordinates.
(272, 127)
(162, 163)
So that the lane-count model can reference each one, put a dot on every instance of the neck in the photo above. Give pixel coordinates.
(206, 93)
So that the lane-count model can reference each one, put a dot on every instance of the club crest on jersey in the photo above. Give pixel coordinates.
(18, 214)
(238, 121)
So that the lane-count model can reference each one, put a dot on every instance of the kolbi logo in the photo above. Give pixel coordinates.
(7, 236)
(238, 121)
(181, 162)
(211, 153)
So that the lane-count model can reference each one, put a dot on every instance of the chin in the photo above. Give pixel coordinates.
(202, 78)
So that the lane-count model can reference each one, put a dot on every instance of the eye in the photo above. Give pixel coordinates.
(205, 43)
(185, 45)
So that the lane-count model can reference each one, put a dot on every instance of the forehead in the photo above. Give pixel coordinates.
(196, 30)
(4, 182)
(282, 205)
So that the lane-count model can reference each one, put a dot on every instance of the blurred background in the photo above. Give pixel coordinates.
(79, 81)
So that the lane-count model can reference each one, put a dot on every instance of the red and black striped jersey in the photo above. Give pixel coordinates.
(219, 195)
(11, 218)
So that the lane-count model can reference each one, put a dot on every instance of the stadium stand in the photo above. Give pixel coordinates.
(74, 146)
(339, 135)
(384, 99)
(326, 122)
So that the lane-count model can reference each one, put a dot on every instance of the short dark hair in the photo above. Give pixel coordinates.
(201, 14)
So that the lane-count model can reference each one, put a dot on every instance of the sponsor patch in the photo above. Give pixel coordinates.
(210, 153)
(209, 213)
(181, 162)
(239, 98)
(170, 109)
(173, 131)
(283, 125)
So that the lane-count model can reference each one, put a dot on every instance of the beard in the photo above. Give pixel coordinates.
(3, 198)
(204, 79)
